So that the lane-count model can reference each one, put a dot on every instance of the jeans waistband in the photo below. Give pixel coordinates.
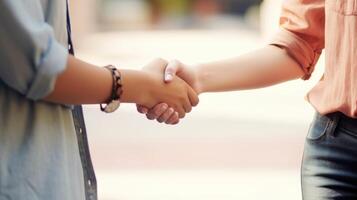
(343, 121)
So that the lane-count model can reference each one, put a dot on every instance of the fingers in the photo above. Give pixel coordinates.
(142, 109)
(171, 70)
(187, 105)
(191, 100)
(181, 112)
(174, 119)
(162, 113)
(157, 111)
(184, 101)
(166, 115)
(192, 95)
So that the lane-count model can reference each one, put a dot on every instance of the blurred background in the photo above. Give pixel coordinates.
(238, 145)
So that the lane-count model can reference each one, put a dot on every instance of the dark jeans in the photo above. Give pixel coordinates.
(329, 167)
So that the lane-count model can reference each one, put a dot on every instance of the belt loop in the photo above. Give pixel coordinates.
(333, 123)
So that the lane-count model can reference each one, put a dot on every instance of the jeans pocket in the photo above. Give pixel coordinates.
(346, 7)
(318, 128)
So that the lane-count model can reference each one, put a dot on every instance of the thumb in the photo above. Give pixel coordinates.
(171, 69)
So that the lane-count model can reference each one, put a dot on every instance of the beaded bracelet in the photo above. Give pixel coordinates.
(114, 102)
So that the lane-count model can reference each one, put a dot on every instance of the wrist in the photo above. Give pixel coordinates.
(135, 84)
(113, 102)
(199, 75)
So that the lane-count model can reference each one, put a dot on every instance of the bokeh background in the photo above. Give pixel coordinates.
(238, 145)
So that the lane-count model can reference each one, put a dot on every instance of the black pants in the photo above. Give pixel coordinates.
(329, 168)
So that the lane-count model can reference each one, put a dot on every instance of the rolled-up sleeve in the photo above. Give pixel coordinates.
(30, 56)
(302, 32)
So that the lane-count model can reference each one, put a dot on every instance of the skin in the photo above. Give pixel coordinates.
(264, 67)
(83, 83)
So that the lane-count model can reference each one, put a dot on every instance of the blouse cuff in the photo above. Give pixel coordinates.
(298, 49)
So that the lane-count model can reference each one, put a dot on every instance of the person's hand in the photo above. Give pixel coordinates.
(162, 112)
(187, 73)
(177, 95)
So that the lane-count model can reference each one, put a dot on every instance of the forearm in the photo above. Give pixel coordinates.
(261, 68)
(83, 83)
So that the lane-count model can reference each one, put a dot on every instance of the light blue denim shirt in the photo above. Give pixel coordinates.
(41, 155)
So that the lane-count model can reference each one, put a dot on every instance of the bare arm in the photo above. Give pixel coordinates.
(301, 37)
(261, 68)
(83, 83)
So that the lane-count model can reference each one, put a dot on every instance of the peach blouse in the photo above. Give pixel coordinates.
(308, 27)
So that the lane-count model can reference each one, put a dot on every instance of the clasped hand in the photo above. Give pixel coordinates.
(173, 96)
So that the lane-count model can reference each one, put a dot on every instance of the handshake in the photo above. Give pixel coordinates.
(162, 95)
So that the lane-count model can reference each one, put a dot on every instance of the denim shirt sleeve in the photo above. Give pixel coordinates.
(30, 56)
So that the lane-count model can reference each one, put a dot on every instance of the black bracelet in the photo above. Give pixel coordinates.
(113, 102)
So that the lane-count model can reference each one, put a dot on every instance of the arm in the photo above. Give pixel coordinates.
(261, 68)
(292, 54)
(83, 83)
(34, 64)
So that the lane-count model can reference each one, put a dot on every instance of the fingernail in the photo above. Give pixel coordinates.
(164, 107)
(169, 77)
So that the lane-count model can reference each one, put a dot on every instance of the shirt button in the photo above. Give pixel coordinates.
(69, 47)
(80, 130)
(89, 182)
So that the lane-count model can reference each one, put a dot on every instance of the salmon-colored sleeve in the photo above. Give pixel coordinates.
(302, 32)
